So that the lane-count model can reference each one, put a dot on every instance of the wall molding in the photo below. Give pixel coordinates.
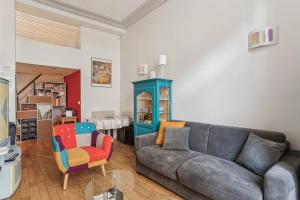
(138, 14)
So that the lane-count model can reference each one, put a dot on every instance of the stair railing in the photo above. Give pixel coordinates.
(25, 87)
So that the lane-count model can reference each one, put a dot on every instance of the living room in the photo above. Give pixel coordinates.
(209, 91)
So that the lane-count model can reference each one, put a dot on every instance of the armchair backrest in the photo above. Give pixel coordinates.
(74, 135)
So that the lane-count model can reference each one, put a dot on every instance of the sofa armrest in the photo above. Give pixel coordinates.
(145, 140)
(281, 182)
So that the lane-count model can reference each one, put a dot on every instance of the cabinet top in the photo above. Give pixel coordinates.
(151, 80)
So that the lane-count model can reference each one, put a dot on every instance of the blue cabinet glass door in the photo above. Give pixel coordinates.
(152, 104)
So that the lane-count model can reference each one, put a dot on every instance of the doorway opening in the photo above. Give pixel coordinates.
(46, 96)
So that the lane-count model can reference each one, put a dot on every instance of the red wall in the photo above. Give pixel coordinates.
(73, 93)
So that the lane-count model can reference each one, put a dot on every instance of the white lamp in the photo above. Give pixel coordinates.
(162, 64)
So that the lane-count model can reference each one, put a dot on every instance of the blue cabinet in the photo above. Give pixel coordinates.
(152, 104)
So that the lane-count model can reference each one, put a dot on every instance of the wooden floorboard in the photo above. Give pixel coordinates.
(41, 179)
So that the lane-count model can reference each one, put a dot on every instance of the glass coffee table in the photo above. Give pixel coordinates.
(110, 187)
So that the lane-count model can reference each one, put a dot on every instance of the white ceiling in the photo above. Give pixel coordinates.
(118, 13)
(114, 9)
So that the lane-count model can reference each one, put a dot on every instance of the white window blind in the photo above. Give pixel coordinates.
(45, 30)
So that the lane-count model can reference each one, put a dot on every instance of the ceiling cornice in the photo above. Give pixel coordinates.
(79, 12)
(35, 7)
(139, 13)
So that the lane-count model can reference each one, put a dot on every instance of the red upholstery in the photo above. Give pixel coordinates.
(95, 154)
(67, 134)
(107, 146)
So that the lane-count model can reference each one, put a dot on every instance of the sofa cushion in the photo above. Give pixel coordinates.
(162, 161)
(259, 154)
(269, 135)
(161, 131)
(198, 138)
(77, 156)
(226, 142)
(220, 179)
(176, 139)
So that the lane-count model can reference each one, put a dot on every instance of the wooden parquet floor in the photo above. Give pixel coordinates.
(41, 179)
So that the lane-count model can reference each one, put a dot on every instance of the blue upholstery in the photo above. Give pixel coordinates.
(55, 144)
(64, 158)
(84, 127)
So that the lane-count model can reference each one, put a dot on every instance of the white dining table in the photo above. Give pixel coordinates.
(111, 123)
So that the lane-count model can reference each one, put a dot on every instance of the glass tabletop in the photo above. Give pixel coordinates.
(114, 186)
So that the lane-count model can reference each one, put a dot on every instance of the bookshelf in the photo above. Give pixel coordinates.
(35, 118)
(57, 91)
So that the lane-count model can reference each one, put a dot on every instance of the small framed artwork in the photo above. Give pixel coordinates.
(263, 37)
(101, 72)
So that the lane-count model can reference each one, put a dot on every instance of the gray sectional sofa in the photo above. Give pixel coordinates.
(209, 171)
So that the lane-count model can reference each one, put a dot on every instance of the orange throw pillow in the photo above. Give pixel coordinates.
(161, 132)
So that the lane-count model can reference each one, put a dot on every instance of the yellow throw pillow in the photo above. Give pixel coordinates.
(162, 126)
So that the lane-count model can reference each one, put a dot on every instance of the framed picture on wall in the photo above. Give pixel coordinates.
(101, 72)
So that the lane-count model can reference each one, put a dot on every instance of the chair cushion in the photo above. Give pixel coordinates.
(220, 179)
(162, 161)
(95, 153)
(84, 127)
(176, 139)
(259, 154)
(77, 156)
(161, 131)
(67, 134)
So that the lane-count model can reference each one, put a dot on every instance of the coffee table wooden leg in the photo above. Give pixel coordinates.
(103, 170)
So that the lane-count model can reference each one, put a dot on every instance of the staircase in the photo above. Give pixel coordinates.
(27, 112)
(22, 110)
(38, 107)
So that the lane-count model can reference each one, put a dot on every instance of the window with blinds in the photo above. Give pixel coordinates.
(45, 30)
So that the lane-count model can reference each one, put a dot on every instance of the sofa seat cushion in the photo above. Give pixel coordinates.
(95, 153)
(77, 156)
(165, 162)
(220, 179)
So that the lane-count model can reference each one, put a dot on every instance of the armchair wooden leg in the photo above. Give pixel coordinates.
(65, 181)
(103, 170)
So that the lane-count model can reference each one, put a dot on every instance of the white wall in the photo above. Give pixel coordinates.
(7, 50)
(216, 79)
(93, 44)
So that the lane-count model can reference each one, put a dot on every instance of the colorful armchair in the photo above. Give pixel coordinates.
(78, 147)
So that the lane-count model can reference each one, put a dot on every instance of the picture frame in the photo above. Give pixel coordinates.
(263, 37)
(101, 72)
